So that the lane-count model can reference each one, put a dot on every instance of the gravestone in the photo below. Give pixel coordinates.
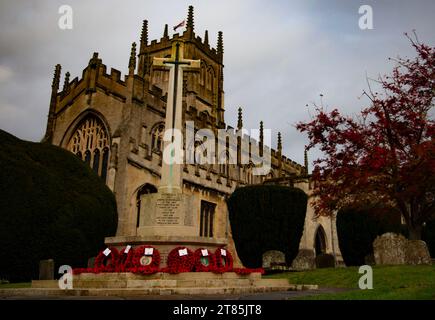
(46, 269)
(305, 260)
(417, 253)
(273, 258)
(325, 261)
(394, 249)
(390, 249)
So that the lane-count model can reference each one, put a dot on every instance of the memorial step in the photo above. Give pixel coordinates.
(129, 284)
(137, 292)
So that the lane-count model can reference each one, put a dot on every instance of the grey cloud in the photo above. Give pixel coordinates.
(279, 56)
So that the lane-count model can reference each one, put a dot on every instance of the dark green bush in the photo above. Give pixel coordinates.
(264, 218)
(52, 205)
(357, 228)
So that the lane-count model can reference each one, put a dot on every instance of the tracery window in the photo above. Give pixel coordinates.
(90, 142)
(207, 219)
(157, 137)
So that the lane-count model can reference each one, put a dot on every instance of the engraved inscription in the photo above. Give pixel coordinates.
(168, 209)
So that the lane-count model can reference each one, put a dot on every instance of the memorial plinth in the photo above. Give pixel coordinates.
(167, 214)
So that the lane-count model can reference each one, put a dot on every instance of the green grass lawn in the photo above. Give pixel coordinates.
(389, 282)
(15, 285)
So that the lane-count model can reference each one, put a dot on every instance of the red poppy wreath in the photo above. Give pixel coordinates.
(204, 260)
(146, 260)
(180, 259)
(125, 259)
(106, 260)
(224, 260)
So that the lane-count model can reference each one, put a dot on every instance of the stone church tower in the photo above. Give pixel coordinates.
(115, 124)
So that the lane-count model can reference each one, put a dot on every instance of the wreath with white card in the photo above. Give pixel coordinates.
(224, 260)
(146, 260)
(125, 259)
(180, 259)
(106, 260)
(204, 260)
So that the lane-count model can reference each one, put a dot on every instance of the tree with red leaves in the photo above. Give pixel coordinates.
(387, 153)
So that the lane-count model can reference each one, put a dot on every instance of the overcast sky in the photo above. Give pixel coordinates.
(279, 55)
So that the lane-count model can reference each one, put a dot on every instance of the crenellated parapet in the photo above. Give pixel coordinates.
(94, 77)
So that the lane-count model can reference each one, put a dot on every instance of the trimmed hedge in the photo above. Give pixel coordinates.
(52, 205)
(357, 228)
(266, 217)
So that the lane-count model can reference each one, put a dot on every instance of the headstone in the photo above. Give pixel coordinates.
(325, 261)
(305, 260)
(91, 262)
(273, 258)
(46, 269)
(417, 253)
(390, 249)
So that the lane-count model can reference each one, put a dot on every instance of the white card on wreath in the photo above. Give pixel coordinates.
(204, 252)
(223, 252)
(107, 252)
(149, 251)
(127, 249)
(182, 252)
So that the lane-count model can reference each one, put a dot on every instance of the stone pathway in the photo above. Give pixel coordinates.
(277, 295)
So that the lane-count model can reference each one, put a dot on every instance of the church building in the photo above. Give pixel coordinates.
(115, 123)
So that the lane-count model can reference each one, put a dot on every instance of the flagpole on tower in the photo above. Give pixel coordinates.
(181, 24)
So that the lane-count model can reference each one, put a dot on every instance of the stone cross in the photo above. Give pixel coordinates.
(171, 172)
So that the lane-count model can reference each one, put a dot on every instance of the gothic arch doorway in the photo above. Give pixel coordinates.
(320, 241)
(147, 188)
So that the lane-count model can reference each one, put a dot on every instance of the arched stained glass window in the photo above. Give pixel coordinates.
(91, 140)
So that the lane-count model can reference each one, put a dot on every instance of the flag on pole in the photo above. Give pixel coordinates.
(181, 24)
